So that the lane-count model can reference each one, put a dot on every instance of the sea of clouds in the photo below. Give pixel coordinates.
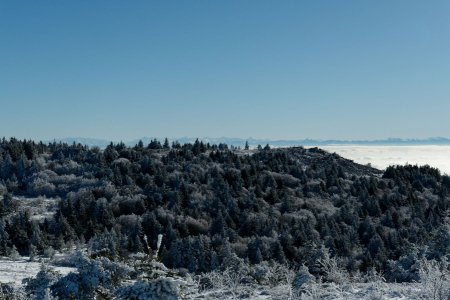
(383, 156)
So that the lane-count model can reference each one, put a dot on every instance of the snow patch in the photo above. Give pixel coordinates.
(14, 271)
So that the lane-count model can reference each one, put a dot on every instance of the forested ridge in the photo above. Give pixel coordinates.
(215, 204)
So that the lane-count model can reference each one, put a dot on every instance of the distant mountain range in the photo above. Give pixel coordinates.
(240, 142)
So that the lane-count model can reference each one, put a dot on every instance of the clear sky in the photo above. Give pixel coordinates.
(121, 70)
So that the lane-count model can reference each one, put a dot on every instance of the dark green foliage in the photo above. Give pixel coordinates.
(216, 205)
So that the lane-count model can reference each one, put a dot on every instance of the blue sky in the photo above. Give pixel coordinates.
(121, 70)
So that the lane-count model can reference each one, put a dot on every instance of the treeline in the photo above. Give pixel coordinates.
(215, 204)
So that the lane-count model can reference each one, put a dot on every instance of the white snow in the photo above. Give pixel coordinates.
(14, 271)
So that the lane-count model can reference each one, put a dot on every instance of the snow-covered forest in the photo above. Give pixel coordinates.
(201, 221)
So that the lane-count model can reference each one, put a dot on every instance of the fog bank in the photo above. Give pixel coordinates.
(383, 156)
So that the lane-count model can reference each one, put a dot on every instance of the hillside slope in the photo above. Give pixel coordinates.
(215, 206)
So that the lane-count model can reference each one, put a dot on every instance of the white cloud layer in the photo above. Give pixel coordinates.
(383, 156)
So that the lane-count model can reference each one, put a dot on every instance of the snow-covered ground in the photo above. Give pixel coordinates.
(226, 287)
(365, 291)
(383, 156)
(14, 271)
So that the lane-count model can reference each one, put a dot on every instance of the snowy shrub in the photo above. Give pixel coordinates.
(282, 275)
(232, 261)
(377, 283)
(302, 279)
(435, 279)
(160, 288)
(151, 270)
(261, 272)
(69, 287)
(93, 275)
(229, 281)
(330, 268)
(204, 283)
(316, 291)
(278, 274)
(38, 288)
(405, 269)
